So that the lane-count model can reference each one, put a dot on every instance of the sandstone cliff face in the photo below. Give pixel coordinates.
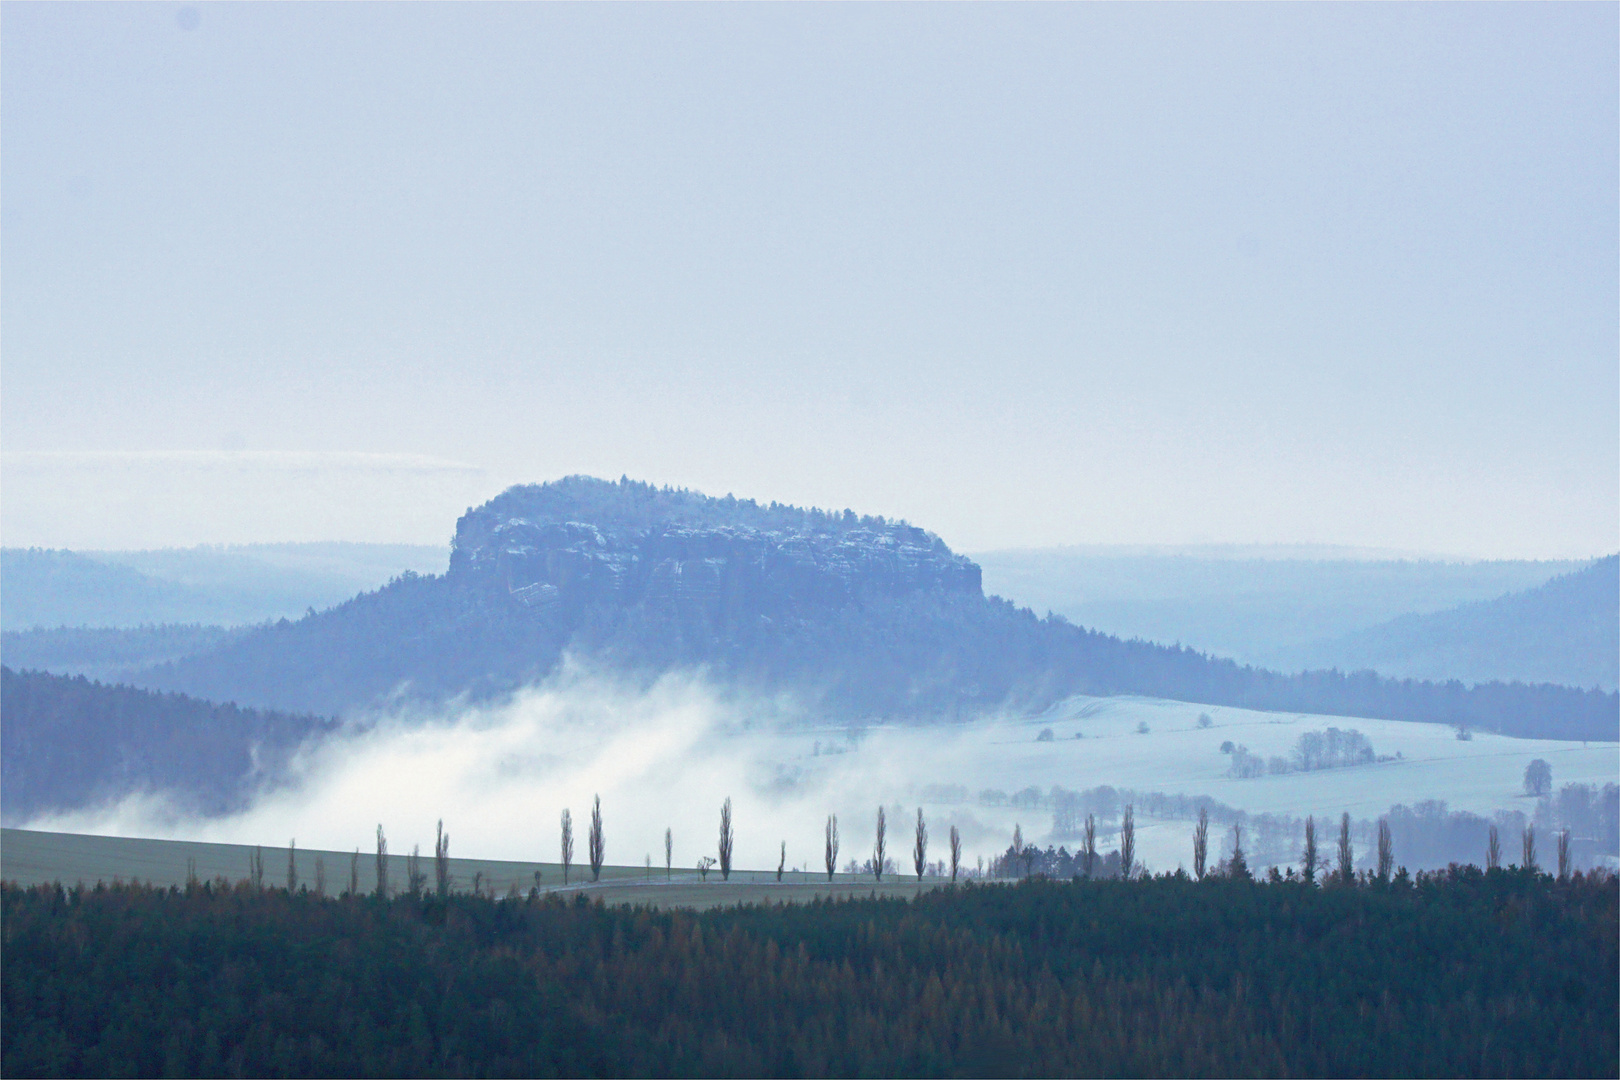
(719, 572)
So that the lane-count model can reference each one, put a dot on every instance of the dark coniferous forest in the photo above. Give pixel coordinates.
(1458, 973)
(69, 742)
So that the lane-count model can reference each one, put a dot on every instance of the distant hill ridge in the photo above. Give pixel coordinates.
(68, 742)
(859, 617)
(1566, 631)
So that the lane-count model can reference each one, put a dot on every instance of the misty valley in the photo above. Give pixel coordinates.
(1113, 571)
(804, 740)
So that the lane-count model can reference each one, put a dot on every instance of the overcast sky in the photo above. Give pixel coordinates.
(1024, 275)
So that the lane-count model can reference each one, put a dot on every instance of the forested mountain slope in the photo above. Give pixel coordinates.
(1261, 605)
(858, 616)
(69, 742)
(1566, 631)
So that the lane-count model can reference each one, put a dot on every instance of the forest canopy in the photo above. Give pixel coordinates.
(1505, 973)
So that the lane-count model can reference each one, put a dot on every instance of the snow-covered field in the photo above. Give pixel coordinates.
(1176, 756)
(667, 756)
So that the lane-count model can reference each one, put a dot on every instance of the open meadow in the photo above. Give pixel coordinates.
(666, 760)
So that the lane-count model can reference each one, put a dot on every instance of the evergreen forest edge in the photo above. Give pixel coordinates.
(1459, 972)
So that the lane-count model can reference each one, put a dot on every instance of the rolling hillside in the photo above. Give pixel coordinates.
(1566, 631)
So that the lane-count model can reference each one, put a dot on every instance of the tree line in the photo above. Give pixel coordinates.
(1460, 972)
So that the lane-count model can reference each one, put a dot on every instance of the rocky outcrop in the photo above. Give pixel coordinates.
(764, 561)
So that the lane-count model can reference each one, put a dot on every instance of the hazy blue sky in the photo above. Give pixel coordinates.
(1021, 274)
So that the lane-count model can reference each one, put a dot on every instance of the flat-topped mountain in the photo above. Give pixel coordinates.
(856, 617)
(561, 548)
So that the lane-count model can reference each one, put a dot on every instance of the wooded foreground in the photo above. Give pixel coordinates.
(1458, 973)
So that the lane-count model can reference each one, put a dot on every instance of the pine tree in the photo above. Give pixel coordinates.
(1238, 868)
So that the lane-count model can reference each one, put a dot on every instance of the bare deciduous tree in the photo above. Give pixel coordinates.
(598, 848)
(1310, 857)
(1017, 847)
(567, 842)
(782, 863)
(354, 873)
(414, 878)
(1386, 850)
(919, 849)
(1493, 850)
(956, 851)
(441, 862)
(320, 876)
(669, 853)
(1563, 855)
(832, 845)
(1347, 868)
(727, 838)
(382, 863)
(1127, 843)
(881, 847)
(704, 864)
(256, 867)
(292, 865)
(1091, 844)
(1201, 843)
(1529, 847)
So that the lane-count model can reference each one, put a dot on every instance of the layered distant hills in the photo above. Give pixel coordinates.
(1266, 605)
(211, 585)
(856, 616)
(1565, 631)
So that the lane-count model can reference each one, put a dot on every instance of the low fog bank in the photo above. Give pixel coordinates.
(659, 756)
(667, 753)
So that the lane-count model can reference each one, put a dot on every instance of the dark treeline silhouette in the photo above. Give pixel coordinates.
(66, 742)
(861, 616)
(1506, 973)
